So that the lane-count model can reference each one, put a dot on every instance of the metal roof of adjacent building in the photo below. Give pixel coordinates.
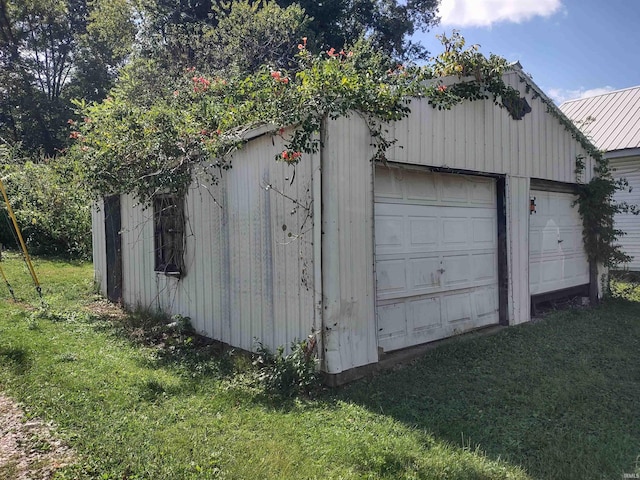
(610, 120)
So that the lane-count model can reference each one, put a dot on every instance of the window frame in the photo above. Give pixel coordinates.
(168, 234)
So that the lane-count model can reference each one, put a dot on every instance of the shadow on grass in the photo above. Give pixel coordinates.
(560, 397)
(173, 346)
(17, 358)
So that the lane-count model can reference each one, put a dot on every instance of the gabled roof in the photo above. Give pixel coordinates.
(611, 120)
(587, 142)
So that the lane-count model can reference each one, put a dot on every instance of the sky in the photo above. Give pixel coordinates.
(571, 48)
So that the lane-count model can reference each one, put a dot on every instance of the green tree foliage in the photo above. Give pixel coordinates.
(54, 50)
(181, 32)
(37, 47)
(387, 23)
(224, 37)
(51, 50)
(103, 48)
(250, 35)
(142, 143)
(53, 213)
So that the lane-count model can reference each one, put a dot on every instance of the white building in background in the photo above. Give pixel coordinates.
(612, 122)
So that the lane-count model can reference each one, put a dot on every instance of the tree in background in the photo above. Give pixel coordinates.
(51, 205)
(183, 32)
(387, 23)
(51, 51)
(54, 51)
(253, 34)
(226, 39)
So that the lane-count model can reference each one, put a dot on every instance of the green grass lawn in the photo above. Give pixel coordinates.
(559, 398)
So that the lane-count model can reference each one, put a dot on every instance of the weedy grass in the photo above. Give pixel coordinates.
(555, 399)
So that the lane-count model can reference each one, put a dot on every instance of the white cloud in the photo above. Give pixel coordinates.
(484, 13)
(560, 95)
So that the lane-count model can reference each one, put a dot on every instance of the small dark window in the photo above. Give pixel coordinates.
(168, 216)
(517, 107)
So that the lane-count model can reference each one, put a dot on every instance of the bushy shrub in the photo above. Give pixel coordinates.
(291, 374)
(51, 204)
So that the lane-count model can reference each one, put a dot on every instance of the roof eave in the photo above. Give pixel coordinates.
(625, 152)
(578, 134)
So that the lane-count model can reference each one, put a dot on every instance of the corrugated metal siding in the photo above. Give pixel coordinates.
(629, 168)
(616, 115)
(518, 249)
(246, 278)
(270, 244)
(347, 247)
(482, 137)
(99, 246)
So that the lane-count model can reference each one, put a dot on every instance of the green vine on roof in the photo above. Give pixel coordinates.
(142, 143)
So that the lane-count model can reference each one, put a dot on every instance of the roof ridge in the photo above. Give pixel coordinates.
(600, 95)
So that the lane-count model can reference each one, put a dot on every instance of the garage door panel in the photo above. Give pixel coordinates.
(447, 244)
(483, 232)
(577, 268)
(391, 276)
(389, 232)
(455, 231)
(399, 185)
(486, 304)
(420, 186)
(482, 266)
(567, 241)
(432, 317)
(457, 270)
(392, 321)
(534, 276)
(454, 189)
(425, 314)
(483, 192)
(535, 242)
(387, 186)
(423, 231)
(552, 270)
(557, 259)
(458, 307)
(424, 272)
(546, 236)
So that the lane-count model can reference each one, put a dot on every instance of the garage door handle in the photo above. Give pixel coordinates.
(561, 240)
(440, 271)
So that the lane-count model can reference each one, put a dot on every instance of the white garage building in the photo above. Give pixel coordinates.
(470, 218)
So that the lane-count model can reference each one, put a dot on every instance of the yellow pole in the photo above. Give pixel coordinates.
(22, 244)
(7, 282)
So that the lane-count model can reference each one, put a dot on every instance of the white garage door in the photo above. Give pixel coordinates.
(436, 255)
(557, 258)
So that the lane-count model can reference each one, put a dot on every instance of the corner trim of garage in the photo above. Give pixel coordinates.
(503, 260)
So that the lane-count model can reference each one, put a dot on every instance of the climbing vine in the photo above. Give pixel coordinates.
(598, 208)
(142, 143)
